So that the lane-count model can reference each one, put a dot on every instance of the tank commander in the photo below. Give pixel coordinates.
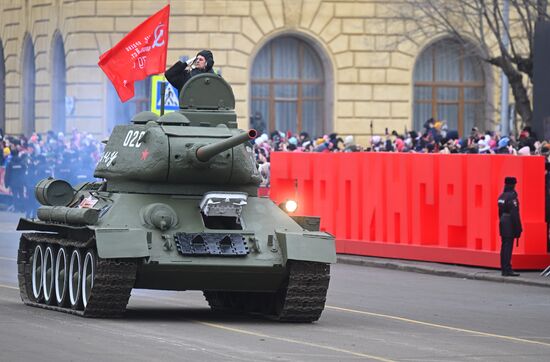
(183, 70)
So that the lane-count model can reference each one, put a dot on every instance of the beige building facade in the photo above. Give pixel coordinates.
(367, 76)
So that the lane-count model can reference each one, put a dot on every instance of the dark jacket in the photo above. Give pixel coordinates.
(508, 213)
(15, 172)
(177, 75)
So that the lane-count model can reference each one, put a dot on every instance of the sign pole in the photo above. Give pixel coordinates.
(162, 91)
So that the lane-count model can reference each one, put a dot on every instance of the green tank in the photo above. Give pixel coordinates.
(178, 210)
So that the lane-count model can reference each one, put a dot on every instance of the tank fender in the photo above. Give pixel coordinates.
(121, 243)
(307, 246)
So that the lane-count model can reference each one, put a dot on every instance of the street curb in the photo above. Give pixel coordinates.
(439, 270)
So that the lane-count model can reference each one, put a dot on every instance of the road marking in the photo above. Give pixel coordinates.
(335, 349)
(8, 287)
(515, 339)
(256, 334)
(282, 339)
(5, 258)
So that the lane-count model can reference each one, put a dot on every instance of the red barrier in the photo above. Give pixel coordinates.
(429, 207)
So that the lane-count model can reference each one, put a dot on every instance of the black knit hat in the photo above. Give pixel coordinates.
(207, 54)
(510, 181)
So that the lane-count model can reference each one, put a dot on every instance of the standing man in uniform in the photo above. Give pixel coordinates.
(509, 224)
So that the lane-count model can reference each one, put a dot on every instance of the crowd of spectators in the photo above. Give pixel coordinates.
(435, 137)
(27, 160)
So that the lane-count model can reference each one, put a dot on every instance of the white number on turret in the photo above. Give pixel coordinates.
(108, 158)
(132, 138)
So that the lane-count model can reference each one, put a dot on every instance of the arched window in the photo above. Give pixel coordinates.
(449, 85)
(122, 113)
(288, 88)
(2, 91)
(28, 74)
(58, 83)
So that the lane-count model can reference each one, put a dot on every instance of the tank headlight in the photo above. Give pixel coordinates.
(289, 206)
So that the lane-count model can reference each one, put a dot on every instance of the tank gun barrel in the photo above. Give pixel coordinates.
(206, 152)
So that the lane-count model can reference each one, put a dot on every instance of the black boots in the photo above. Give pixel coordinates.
(510, 273)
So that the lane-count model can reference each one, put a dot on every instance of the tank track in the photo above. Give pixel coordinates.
(301, 299)
(112, 286)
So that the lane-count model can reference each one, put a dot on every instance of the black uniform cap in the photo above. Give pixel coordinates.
(207, 54)
(510, 181)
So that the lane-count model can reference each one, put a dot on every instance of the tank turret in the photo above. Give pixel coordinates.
(171, 155)
(197, 147)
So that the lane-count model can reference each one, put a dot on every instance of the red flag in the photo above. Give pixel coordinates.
(140, 53)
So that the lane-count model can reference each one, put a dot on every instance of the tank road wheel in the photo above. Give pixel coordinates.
(66, 275)
(61, 277)
(88, 275)
(37, 270)
(48, 279)
(75, 279)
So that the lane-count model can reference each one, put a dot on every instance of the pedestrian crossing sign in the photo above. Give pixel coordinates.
(171, 95)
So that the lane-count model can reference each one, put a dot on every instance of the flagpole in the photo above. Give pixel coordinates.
(163, 89)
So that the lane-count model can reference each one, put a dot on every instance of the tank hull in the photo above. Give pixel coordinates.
(164, 242)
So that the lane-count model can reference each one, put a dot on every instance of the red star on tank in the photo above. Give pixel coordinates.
(144, 154)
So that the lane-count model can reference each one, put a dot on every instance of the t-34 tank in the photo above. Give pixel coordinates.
(177, 210)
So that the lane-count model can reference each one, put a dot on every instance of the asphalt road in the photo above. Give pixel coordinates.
(371, 314)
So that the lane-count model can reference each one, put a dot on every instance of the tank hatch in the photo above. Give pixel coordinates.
(207, 91)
